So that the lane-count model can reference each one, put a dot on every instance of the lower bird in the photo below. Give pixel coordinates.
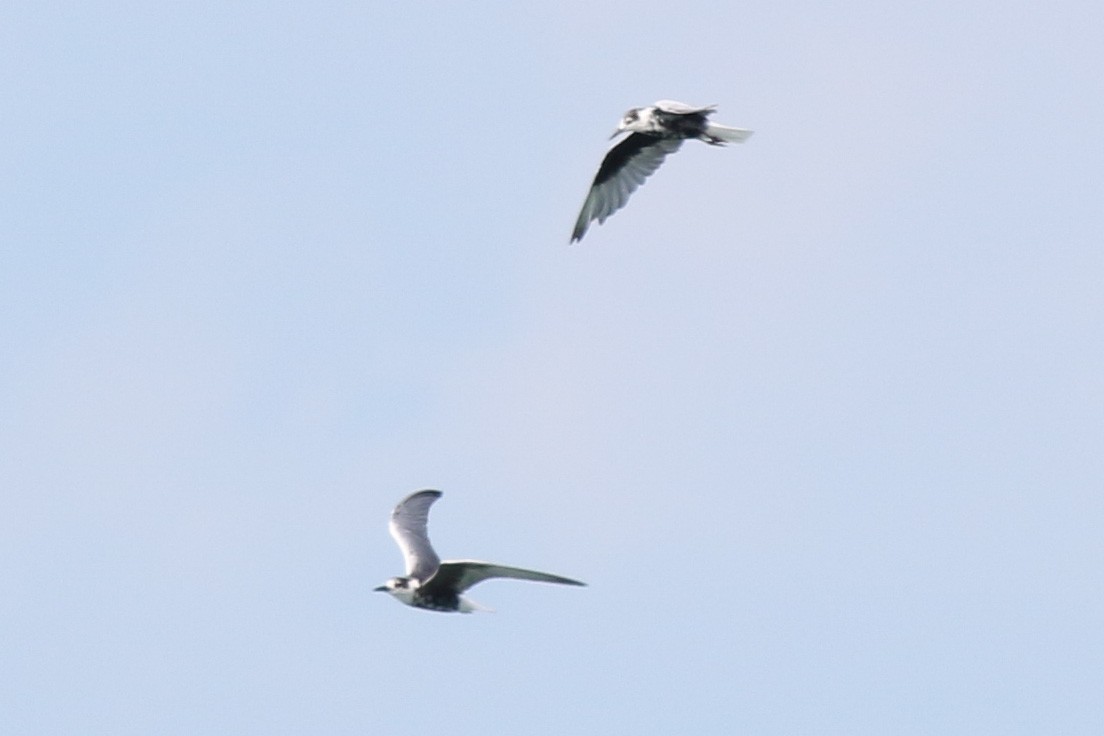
(432, 584)
(654, 132)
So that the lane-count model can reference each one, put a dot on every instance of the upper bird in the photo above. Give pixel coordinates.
(435, 585)
(654, 132)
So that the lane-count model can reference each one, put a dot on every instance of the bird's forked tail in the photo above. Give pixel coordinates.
(721, 134)
(467, 605)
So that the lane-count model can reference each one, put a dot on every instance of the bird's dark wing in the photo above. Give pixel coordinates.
(408, 526)
(624, 168)
(459, 575)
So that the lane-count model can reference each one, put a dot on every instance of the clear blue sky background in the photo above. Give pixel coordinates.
(820, 418)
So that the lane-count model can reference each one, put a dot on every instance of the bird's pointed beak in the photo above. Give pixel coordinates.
(380, 589)
(615, 133)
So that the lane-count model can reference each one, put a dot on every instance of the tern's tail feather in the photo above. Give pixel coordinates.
(723, 133)
(467, 605)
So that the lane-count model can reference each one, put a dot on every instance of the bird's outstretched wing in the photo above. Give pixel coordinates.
(624, 168)
(408, 527)
(459, 575)
(681, 108)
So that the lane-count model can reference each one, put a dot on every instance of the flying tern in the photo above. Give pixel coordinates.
(654, 132)
(435, 585)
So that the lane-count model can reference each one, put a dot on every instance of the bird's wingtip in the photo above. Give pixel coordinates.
(425, 493)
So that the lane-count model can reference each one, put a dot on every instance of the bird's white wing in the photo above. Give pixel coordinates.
(624, 168)
(681, 108)
(463, 574)
(408, 526)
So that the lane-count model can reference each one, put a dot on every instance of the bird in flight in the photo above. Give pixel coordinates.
(432, 584)
(654, 132)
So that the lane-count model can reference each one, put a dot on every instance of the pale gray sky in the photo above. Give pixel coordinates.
(820, 417)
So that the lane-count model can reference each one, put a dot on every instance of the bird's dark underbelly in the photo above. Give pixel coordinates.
(682, 126)
(437, 601)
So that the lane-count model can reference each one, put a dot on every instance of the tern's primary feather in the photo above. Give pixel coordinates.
(624, 168)
(408, 526)
(460, 575)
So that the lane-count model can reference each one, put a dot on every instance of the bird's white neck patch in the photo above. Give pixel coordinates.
(643, 122)
(403, 589)
(406, 595)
